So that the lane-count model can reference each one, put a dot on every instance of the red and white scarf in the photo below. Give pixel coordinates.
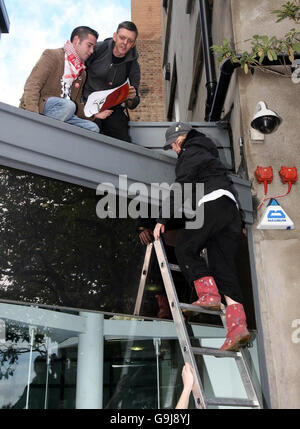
(73, 68)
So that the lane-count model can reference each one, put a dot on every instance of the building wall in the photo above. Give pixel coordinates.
(147, 16)
(222, 26)
(276, 252)
(183, 33)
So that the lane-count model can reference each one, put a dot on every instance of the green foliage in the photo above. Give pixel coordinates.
(288, 10)
(17, 343)
(54, 250)
(263, 46)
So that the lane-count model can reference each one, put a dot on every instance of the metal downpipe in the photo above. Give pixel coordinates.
(206, 36)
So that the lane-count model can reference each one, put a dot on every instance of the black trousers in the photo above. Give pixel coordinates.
(115, 125)
(220, 235)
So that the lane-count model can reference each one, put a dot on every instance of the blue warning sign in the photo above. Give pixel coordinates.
(275, 217)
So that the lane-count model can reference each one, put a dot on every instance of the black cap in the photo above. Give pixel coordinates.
(176, 130)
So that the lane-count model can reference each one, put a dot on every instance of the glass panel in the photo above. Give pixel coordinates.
(14, 358)
(130, 374)
(141, 373)
(61, 392)
(55, 250)
(52, 383)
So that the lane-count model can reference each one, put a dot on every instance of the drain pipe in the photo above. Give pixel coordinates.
(226, 71)
(205, 28)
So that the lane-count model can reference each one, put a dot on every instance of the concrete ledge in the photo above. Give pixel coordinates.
(63, 325)
(45, 146)
(41, 145)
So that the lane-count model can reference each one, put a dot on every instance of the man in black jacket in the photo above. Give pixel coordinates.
(113, 61)
(198, 162)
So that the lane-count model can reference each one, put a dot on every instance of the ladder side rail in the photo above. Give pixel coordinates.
(189, 352)
(243, 369)
(143, 279)
(183, 337)
(246, 376)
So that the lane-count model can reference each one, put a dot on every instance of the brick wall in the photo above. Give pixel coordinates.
(146, 14)
(147, 17)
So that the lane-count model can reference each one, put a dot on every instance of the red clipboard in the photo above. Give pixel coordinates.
(116, 97)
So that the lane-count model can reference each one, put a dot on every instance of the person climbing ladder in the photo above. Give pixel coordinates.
(198, 162)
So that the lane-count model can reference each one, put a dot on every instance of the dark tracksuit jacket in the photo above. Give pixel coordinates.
(102, 74)
(198, 162)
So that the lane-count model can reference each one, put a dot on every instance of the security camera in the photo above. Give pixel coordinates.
(265, 121)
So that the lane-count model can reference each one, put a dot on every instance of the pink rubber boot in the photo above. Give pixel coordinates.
(237, 332)
(207, 292)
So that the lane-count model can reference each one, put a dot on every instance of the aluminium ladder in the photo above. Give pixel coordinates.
(188, 351)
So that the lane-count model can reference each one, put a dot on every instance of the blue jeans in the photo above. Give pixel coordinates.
(63, 109)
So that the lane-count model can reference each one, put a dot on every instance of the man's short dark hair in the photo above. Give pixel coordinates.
(83, 32)
(128, 25)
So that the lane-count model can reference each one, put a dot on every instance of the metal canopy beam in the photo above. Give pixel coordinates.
(155, 329)
(42, 318)
(45, 146)
(63, 325)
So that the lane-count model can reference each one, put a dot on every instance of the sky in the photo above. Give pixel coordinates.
(38, 25)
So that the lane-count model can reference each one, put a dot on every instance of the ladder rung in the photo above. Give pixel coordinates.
(189, 352)
(214, 352)
(174, 267)
(233, 402)
(197, 309)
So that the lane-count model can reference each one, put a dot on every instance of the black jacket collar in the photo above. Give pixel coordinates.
(191, 134)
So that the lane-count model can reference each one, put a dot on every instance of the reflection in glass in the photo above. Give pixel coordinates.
(138, 372)
(45, 379)
(56, 251)
(131, 374)
(141, 374)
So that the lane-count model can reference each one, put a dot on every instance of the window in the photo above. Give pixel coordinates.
(173, 93)
(197, 66)
(56, 251)
(189, 5)
(176, 107)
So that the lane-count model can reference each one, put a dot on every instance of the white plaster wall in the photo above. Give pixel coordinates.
(277, 253)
